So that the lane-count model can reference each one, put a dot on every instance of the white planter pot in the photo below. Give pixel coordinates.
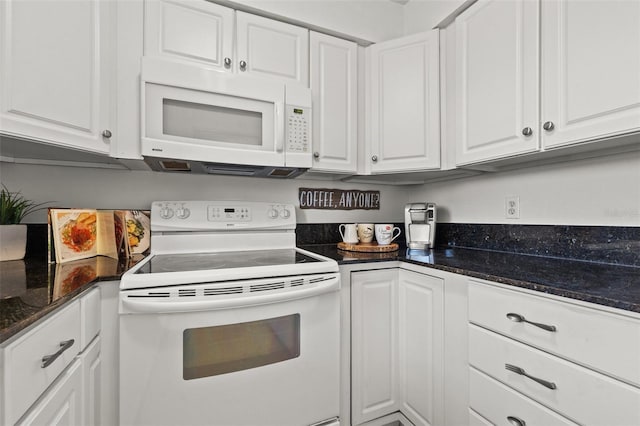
(13, 242)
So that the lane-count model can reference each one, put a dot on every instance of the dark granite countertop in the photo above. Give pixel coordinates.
(610, 285)
(32, 288)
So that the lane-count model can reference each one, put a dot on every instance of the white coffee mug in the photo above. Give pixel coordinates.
(348, 232)
(365, 232)
(385, 233)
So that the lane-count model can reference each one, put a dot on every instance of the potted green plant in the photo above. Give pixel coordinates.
(13, 235)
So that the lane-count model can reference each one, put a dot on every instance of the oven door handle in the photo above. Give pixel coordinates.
(133, 304)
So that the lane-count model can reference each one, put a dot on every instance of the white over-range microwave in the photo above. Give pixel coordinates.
(200, 120)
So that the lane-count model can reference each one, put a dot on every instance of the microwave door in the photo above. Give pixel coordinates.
(203, 126)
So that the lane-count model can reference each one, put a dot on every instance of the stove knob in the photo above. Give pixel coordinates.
(183, 213)
(273, 213)
(285, 213)
(166, 213)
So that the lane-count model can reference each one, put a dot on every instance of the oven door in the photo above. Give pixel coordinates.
(190, 113)
(271, 358)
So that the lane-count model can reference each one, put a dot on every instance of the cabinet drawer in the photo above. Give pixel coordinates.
(582, 395)
(25, 378)
(496, 402)
(607, 342)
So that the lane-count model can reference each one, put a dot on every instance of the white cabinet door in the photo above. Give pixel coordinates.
(192, 30)
(61, 404)
(374, 342)
(91, 383)
(334, 89)
(497, 80)
(590, 70)
(404, 107)
(268, 48)
(56, 65)
(420, 349)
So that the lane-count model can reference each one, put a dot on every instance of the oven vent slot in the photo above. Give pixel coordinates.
(221, 291)
(187, 292)
(159, 294)
(316, 280)
(295, 283)
(266, 287)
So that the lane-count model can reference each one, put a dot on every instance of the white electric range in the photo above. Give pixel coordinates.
(227, 322)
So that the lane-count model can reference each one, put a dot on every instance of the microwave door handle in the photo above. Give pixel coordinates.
(279, 109)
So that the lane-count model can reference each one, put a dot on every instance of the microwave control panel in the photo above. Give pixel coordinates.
(298, 124)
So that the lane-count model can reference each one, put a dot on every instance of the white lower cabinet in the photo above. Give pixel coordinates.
(542, 360)
(64, 390)
(62, 403)
(397, 346)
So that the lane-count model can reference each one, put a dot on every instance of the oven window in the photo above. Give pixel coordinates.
(211, 123)
(209, 351)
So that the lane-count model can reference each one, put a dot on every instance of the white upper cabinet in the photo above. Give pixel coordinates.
(404, 107)
(496, 80)
(56, 63)
(274, 49)
(577, 62)
(192, 30)
(334, 89)
(590, 70)
(226, 40)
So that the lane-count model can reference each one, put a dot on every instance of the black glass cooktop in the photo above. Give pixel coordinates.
(225, 260)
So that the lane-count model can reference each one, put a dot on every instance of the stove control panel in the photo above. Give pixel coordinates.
(220, 215)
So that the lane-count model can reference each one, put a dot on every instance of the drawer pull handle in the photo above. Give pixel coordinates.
(519, 318)
(47, 360)
(516, 421)
(520, 371)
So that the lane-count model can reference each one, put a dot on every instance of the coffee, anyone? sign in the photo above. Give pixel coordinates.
(338, 199)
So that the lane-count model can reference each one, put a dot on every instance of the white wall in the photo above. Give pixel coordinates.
(423, 15)
(371, 20)
(599, 191)
(117, 189)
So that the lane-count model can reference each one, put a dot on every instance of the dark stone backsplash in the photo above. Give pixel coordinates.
(616, 245)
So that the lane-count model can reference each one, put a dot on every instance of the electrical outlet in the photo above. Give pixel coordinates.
(512, 207)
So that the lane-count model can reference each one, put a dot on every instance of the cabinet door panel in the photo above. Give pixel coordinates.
(61, 404)
(496, 80)
(272, 49)
(404, 106)
(420, 310)
(591, 69)
(189, 30)
(54, 73)
(374, 339)
(334, 90)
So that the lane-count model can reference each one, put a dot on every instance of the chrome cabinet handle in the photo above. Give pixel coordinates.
(527, 131)
(516, 421)
(106, 134)
(47, 360)
(374, 158)
(243, 65)
(521, 372)
(548, 126)
(316, 154)
(227, 62)
(519, 318)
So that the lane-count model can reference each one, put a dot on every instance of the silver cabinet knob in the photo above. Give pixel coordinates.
(527, 131)
(316, 154)
(516, 421)
(548, 126)
(106, 134)
(374, 158)
(227, 62)
(243, 65)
